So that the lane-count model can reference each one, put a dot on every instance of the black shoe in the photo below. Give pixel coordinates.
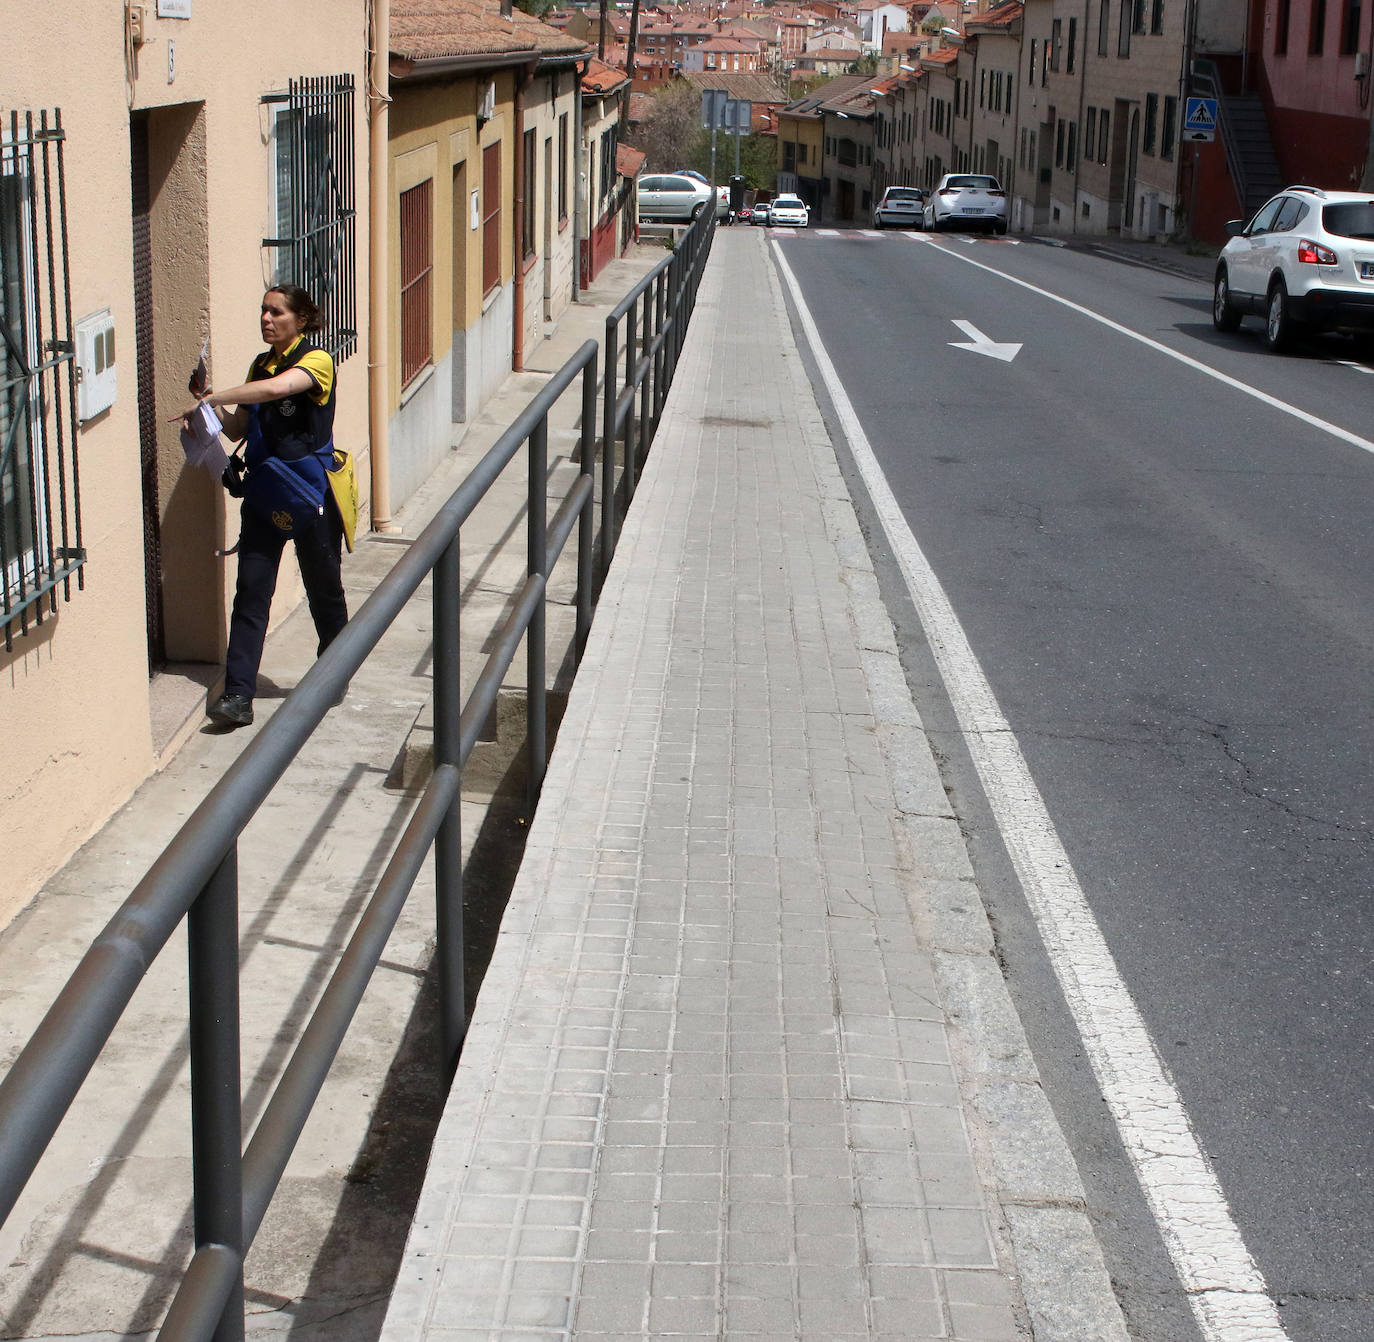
(231, 710)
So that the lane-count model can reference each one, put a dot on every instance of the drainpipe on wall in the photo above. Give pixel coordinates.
(1367, 176)
(1185, 84)
(1078, 137)
(518, 342)
(378, 336)
(579, 73)
(971, 115)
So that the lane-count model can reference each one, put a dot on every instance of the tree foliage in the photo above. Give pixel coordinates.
(672, 139)
(669, 133)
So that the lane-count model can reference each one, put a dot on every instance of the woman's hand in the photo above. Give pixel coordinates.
(186, 415)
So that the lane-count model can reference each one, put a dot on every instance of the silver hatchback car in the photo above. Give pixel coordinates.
(673, 195)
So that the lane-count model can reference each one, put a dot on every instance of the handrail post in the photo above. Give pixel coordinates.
(631, 358)
(681, 279)
(609, 396)
(448, 843)
(661, 358)
(645, 385)
(586, 520)
(212, 931)
(536, 698)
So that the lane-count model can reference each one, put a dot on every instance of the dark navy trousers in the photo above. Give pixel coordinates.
(318, 551)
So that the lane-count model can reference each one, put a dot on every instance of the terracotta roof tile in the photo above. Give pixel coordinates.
(628, 162)
(745, 86)
(424, 30)
(1000, 16)
(602, 78)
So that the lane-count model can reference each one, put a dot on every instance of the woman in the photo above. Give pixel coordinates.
(284, 410)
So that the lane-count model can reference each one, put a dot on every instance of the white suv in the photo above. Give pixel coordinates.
(1305, 260)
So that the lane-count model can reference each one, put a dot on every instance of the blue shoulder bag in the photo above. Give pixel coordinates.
(288, 494)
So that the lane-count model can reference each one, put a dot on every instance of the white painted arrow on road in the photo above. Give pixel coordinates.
(980, 344)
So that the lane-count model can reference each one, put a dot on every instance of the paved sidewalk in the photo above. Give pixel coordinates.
(743, 1065)
(1193, 261)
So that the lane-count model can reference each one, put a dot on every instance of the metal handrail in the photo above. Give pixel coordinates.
(1207, 81)
(196, 876)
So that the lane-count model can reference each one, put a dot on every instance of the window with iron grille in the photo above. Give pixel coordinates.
(1168, 129)
(1281, 28)
(527, 210)
(1104, 24)
(491, 217)
(1073, 45)
(1104, 139)
(608, 174)
(1151, 118)
(315, 206)
(417, 275)
(1123, 34)
(1156, 16)
(40, 501)
(1316, 33)
(1350, 28)
(563, 168)
(1090, 133)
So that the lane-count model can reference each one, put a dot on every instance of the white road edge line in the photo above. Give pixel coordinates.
(1224, 1287)
(1335, 430)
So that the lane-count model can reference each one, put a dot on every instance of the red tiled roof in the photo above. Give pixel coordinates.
(1000, 16)
(602, 78)
(424, 30)
(629, 162)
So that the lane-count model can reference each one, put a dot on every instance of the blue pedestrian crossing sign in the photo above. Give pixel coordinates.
(1200, 119)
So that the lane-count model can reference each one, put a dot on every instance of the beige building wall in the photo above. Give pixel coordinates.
(549, 278)
(435, 136)
(76, 697)
(996, 67)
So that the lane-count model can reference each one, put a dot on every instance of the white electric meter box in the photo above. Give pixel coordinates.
(95, 364)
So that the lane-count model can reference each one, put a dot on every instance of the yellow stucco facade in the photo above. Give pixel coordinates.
(170, 138)
(459, 131)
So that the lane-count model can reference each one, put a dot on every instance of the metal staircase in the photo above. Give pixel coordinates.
(1244, 129)
(1247, 125)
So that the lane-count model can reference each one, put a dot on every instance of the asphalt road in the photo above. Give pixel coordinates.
(1169, 584)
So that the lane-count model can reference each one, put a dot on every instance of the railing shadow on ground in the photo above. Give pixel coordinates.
(196, 877)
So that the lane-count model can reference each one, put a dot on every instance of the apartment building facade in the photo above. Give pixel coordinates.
(483, 163)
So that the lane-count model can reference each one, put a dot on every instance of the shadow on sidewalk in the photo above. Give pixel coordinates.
(350, 1283)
